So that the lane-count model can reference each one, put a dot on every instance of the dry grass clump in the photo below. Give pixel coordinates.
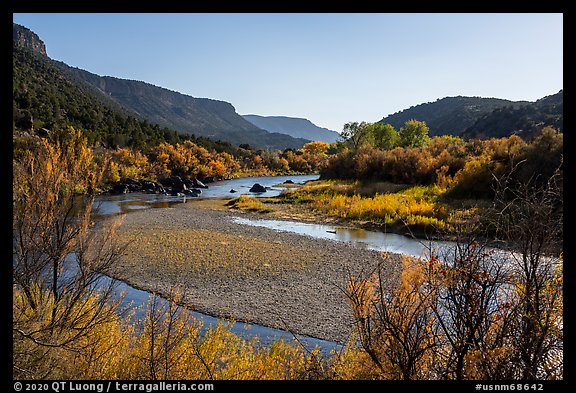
(248, 203)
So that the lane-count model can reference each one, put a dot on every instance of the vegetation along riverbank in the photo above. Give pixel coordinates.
(388, 310)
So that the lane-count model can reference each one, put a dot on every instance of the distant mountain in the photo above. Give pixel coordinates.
(478, 117)
(293, 126)
(187, 115)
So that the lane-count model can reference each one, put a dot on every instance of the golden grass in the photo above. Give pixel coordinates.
(380, 203)
(248, 203)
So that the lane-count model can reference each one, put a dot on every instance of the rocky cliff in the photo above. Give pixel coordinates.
(25, 38)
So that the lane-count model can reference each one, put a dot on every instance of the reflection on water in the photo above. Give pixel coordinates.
(125, 203)
(136, 299)
(379, 241)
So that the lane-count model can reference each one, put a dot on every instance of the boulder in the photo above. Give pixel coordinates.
(210, 179)
(152, 187)
(133, 185)
(233, 191)
(178, 185)
(258, 188)
(42, 132)
(198, 184)
(288, 182)
(119, 188)
(194, 192)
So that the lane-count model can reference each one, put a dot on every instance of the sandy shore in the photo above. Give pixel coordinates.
(251, 274)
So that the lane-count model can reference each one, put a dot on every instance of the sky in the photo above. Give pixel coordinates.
(331, 68)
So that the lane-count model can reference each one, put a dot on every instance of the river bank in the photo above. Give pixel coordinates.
(250, 274)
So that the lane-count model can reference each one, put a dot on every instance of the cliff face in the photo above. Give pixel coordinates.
(25, 38)
(205, 117)
(217, 120)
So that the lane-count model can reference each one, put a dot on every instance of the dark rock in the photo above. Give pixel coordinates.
(42, 132)
(152, 187)
(233, 191)
(194, 192)
(258, 188)
(133, 185)
(288, 182)
(160, 189)
(119, 188)
(178, 185)
(148, 186)
(198, 184)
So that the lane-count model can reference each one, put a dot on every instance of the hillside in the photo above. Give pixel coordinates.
(295, 127)
(450, 115)
(525, 120)
(214, 119)
(477, 117)
(45, 97)
(201, 117)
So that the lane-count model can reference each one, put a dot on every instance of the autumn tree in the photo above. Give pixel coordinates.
(385, 136)
(529, 217)
(414, 133)
(316, 148)
(396, 330)
(315, 153)
(357, 134)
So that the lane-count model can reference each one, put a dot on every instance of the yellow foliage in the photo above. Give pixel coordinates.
(414, 206)
(252, 204)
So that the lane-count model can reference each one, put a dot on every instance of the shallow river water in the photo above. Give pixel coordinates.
(133, 297)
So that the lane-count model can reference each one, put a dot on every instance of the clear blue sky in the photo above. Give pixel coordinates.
(329, 68)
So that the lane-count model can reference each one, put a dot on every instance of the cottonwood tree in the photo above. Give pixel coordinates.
(414, 133)
(357, 134)
(385, 136)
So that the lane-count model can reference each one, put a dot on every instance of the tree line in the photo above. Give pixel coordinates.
(465, 314)
(468, 168)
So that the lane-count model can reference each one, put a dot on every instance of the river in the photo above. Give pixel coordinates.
(106, 205)
(114, 204)
(124, 203)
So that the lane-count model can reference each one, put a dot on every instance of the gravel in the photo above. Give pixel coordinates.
(246, 273)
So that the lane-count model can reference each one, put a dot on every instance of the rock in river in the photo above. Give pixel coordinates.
(193, 192)
(258, 188)
(198, 184)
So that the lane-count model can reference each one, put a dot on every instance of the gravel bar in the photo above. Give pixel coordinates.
(251, 274)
